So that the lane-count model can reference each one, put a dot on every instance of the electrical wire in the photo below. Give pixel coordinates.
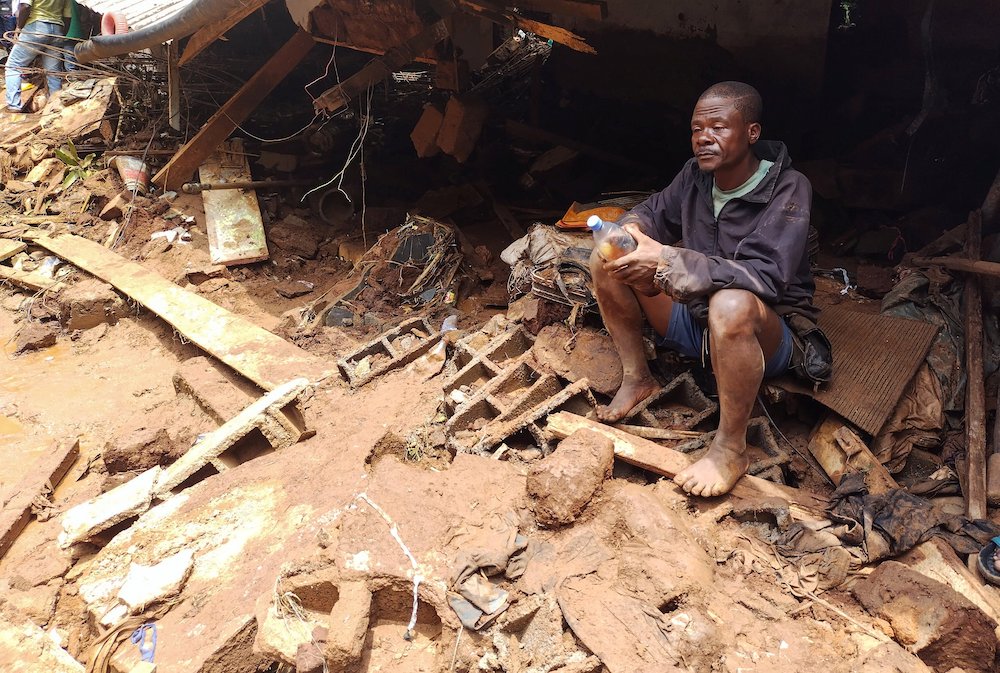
(809, 460)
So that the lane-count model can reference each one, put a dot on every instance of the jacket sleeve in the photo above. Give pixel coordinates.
(765, 262)
(659, 216)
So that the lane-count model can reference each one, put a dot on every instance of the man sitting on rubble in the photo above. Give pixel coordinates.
(742, 215)
(41, 25)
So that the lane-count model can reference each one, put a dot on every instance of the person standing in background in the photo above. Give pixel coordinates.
(40, 32)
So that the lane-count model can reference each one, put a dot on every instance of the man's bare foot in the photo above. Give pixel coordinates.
(632, 392)
(714, 473)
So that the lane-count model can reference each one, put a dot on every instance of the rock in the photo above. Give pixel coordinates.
(352, 250)
(309, 657)
(25, 648)
(35, 336)
(890, 658)
(88, 304)
(148, 585)
(115, 209)
(563, 483)
(294, 288)
(939, 625)
(281, 635)
(537, 314)
(36, 603)
(145, 448)
(425, 133)
(348, 625)
(199, 275)
(296, 237)
(463, 122)
(591, 355)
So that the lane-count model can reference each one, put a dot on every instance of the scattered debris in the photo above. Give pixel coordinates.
(564, 482)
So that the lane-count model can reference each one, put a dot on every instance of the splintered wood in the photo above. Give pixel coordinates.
(874, 359)
(235, 229)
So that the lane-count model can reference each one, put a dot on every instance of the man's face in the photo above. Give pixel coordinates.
(720, 138)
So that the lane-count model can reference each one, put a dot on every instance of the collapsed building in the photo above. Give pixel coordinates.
(303, 352)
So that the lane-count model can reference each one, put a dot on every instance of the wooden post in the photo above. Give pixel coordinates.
(971, 266)
(975, 395)
(183, 165)
(173, 87)
(212, 32)
(993, 466)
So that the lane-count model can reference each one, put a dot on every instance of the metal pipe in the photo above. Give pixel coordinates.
(199, 187)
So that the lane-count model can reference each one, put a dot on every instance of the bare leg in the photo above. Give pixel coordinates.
(744, 331)
(622, 314)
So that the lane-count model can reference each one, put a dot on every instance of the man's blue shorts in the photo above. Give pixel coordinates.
(687, 337)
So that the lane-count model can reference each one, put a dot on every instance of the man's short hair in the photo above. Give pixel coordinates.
(745, 98)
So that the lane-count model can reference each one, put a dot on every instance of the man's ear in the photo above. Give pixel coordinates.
(753, 132)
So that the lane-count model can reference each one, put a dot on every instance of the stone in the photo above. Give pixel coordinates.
(462, 124)
(587, 354)
(293, 288)
(147, 585)
(143, 449)
(309, 656)
(204, 381)
(537, 314)
(352, 250)
(36, 603)
(282, 634)
(88, 304)
(425, 133)
(564, 482)
(115, 209)
(25, 648)
(34, 336)
(198, 275)
(348, 625)
(90, 518)
(930, 619)
(890, 658)
(296, 237)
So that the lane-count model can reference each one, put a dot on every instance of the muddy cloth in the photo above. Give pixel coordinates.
(892, 523)
(916, 422)
(551, 264)
(758, 242)
(803, 559)
(473, 597)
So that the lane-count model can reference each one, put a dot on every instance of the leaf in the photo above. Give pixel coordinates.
(65, 157)
(71, 178)
(72, 150)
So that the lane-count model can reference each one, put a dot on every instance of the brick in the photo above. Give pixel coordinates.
(88, 304)
(425, 133)
(463, 123)
(348, 625)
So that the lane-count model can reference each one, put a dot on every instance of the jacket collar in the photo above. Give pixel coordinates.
(771, 150)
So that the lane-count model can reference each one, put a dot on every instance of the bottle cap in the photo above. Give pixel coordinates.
(594, 222)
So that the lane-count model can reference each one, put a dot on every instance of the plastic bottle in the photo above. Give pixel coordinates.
(612, 240)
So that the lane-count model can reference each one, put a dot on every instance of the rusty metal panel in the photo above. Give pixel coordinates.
(874, 358)
(235, 229)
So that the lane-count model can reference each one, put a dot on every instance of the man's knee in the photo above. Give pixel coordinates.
(597, 265)
(734, 313)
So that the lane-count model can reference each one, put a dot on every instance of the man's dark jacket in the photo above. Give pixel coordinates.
(757, 244)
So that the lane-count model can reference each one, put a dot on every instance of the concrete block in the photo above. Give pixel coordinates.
(25, 648)
(218, 441)
(564, 482)
(348, 625)
(148, 585)
(123, 502)
(217, 396)
(425, 133)
(88, 304)
(462, 124)
(930, 619)
(391, 350)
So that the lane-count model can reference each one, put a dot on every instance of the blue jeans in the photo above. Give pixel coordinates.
(7, 24)
(33, 41)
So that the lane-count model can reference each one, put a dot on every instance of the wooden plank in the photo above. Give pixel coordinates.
(840, 451)
(9, 248)
(554, 33)
(585, 9)
(47, 471)
(232, 216)
(975, 395)
(804, 506)
(35, 282)
(260, 356)
(993, 464)
(205, 36)
(234, 112)
(173, 87)
(378, 69)
(978, 267)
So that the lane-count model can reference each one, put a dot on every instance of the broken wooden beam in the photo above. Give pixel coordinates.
(804, 506)
(9, 248)
(499, 15)
(668, 434)
(993, 464)
(206, 35)
(46, 473)
(839, 451)
(378, 69)
(977, 267)
(257, 354)
(975, 396)
(233, 112)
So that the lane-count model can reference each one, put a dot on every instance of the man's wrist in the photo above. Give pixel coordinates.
(667, 254)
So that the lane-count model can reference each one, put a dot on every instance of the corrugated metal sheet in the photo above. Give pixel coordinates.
(139, 13)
